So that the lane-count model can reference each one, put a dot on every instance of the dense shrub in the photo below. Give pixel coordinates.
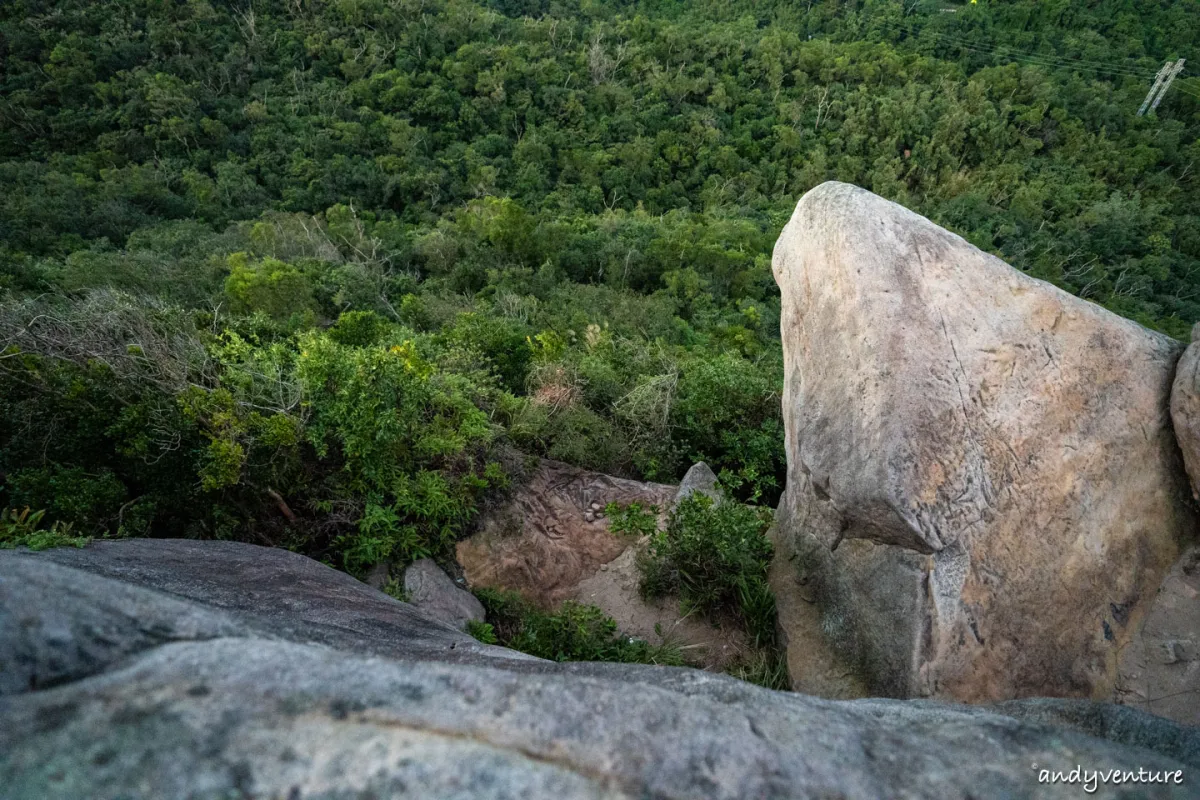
(351, 444)
(715, 557)
(633, 519)
(24, 529)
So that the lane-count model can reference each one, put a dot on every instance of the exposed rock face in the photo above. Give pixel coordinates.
(1185, 409)
(549, 537)
(284, 678)
(984, 492)
(434, 594)
(615, 590)
(551, 543)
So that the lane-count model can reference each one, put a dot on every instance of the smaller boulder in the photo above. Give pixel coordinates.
(1159, 671)
(432, 591)
(699, 478)
(377, 577)
(1185, 409)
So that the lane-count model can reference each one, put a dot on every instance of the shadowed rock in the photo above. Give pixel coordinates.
(432, 591)
(1160, 669)
(135, 594)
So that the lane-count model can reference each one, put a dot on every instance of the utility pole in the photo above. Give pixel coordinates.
(1158, 80)
(1178, 68)
(1162, 82)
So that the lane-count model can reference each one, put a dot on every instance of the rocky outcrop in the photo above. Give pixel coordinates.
(215, 669)
(552, 533)
(984, 491)
(434, 594)
(69, 613)
(551, 543)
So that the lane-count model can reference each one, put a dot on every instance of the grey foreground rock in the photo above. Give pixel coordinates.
(165, 668)
(434, 594)
(984, 491)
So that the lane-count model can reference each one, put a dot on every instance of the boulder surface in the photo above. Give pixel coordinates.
(1185, 409)
(699, 478)
(216, 669)
(435, 594)
(984, 490)
(1160, 669)
(553, 534)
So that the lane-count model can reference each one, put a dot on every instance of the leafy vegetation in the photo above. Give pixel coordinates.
(715, 557)
(632, 519)
(575, 632)
(23, 529)
(483, 631)
(314, 274)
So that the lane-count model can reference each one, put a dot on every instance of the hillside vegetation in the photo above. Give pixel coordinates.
(317, 273)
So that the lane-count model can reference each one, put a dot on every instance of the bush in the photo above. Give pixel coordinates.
(68, 495)
(573, 633)
(23, 529)
(633, 519)
(483, 631)
(270, 286)
(358, 328)
(572, 433)
(500, 342)
(411, 441)
(727, 413)
(715, 557)
(765, 666)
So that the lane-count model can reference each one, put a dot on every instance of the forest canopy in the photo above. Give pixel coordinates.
(321, 273)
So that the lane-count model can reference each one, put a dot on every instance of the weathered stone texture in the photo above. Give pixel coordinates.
(984, 489)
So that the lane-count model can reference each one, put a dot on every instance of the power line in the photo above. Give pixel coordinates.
(1163, 78)
(1013, 53)
(1187, 91)
(1188, 88)
(1128, 69)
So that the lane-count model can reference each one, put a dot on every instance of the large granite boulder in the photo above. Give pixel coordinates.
(984, 491)
(152, 669)
(68, 613)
